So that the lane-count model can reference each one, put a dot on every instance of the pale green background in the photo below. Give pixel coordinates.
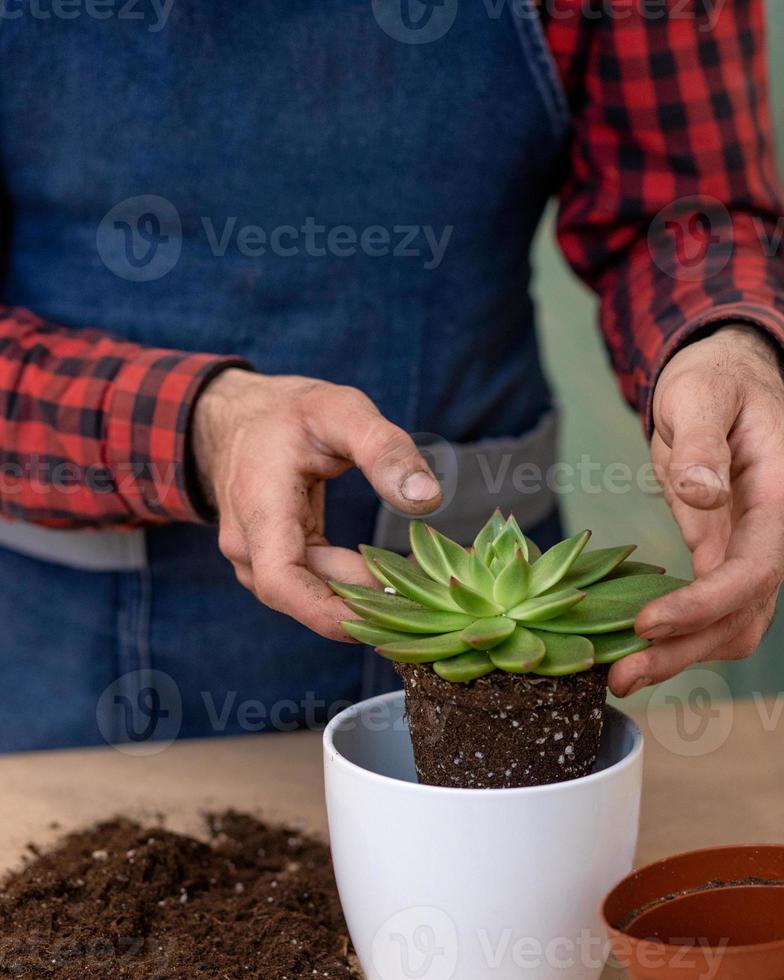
(597, 422)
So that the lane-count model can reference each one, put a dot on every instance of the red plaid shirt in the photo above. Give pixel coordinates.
(669, 210)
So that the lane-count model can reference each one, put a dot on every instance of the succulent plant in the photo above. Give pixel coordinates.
(502, 604)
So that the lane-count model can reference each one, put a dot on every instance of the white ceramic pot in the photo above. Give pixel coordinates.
(474, 884)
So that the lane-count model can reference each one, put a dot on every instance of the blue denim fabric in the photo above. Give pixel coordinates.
(79, 652)
(271, 115)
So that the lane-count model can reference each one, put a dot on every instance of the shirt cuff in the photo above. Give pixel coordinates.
(744, 312)
(150, 404)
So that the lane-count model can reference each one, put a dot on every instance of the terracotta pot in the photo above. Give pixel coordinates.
(714, 915)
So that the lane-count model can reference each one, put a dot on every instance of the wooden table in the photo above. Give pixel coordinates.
(724, 787)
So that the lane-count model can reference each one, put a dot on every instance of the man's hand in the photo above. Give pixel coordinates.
(718, 451)
(264, 447)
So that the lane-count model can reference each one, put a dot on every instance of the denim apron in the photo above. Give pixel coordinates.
(344, 189)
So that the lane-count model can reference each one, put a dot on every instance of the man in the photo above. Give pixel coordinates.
(303, 232)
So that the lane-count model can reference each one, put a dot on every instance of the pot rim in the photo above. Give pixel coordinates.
(333, 755)
(657, 944)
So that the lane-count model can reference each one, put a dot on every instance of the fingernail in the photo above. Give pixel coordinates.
(705, 477)
(420, 486)
(658, 632)
(638, 685)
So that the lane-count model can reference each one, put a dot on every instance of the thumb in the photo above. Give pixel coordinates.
(385, 453)
(699, 468)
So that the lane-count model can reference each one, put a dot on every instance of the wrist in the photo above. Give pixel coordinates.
(749, 342)
(214, 419)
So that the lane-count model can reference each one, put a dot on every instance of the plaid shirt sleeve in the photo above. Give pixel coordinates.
(671, 208)
(93, 429)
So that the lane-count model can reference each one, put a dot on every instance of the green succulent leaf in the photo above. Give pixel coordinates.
(594, 616)
(456, 556)
(409, 581)
(546, 606)
(611, 647)
(592, 566)
(409, 649)
(534, 551)
(428, 552)
(497, 565)
(505, 545)
(483, 542)
(347, 590)
(391, 614)
(609, 607)
(479, 576)
(370, 633)
(513, 581)
(486, 633)
(465, 667)
(548, 570)
(520, 653)
(522, 540)
(472, 602)
(371, 556)
(636, 588)
(629, 568)
(502, 604)
(564, 654)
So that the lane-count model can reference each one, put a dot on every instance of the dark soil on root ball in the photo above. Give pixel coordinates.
(123, 901)
(504, 730)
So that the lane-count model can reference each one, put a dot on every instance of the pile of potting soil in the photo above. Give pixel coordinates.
(124, 901)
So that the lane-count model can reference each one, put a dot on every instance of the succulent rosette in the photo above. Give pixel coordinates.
(502, 605)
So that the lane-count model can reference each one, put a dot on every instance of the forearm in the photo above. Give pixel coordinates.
(93, 429)
(671, 209)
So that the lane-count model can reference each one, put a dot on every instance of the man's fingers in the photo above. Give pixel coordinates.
(694, 412)
(317, 498)
(276, 531)
(341, 565)
(699, 471)
(348, 424)
(733, 638)
(326, 563)
(735, 584)
(712, 548)
(296, 592)
(705, 532)
(751, 572)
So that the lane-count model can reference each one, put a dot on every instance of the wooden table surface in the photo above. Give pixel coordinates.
(713, 776)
